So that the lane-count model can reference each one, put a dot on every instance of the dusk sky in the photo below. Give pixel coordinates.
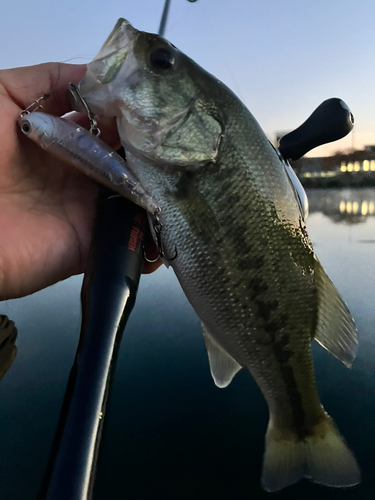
(281, 58)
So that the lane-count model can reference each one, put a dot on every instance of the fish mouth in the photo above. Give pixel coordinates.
(109, 60)
(107, 64)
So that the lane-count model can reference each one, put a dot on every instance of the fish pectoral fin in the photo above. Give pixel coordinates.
(223, 366)
(336, 330)
(322, 456)
(194, 140)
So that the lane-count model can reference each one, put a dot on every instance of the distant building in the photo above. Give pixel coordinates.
(358, 166)
(344, 169)
(353, 161)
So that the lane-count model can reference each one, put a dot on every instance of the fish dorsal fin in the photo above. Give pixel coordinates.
(223, 366)
(336, 330)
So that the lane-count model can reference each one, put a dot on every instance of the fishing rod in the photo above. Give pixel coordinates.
(108, 295)
(164, 17)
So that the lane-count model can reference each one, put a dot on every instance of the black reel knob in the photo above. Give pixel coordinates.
(332, 120)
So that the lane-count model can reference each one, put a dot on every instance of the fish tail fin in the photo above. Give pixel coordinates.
(322, 457)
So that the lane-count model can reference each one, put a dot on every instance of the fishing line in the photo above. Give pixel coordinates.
(77, 57)
(183, 17)
(213, 29)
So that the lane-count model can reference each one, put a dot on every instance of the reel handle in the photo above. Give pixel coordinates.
(332, 120)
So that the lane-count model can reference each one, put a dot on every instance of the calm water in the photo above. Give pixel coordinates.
(170, 433)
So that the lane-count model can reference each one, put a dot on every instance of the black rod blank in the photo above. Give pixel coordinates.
(164, 18)
(108, 295)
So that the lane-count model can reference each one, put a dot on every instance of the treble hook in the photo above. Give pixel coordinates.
(36, 103)
(158, 226)
(92, 118)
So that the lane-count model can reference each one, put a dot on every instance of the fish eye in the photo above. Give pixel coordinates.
(162, 58)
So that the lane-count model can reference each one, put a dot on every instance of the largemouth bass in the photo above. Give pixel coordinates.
(244, 258)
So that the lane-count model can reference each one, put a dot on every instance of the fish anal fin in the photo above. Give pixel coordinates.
(223, 366)
(335, 330)
(323, 457)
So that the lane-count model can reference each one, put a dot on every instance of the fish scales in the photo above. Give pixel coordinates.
(240, 305)
(245, 261)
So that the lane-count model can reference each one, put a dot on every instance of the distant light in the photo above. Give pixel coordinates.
(342, 207)
(364, 208)
(350, 167)
(366, 165)
(371, 208)
(355, 207)
(356, 166)
(343, 167)
(349, 207)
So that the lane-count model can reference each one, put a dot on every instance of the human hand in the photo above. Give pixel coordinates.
(47, 207)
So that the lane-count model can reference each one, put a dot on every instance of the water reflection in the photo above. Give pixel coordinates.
(165, 415)
(8, 349)
(343, 205)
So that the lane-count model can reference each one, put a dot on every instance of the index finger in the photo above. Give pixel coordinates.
(25, 85)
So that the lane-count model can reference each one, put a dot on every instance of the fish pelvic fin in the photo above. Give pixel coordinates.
(336, 330)
(323, 457)
(223, 366)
